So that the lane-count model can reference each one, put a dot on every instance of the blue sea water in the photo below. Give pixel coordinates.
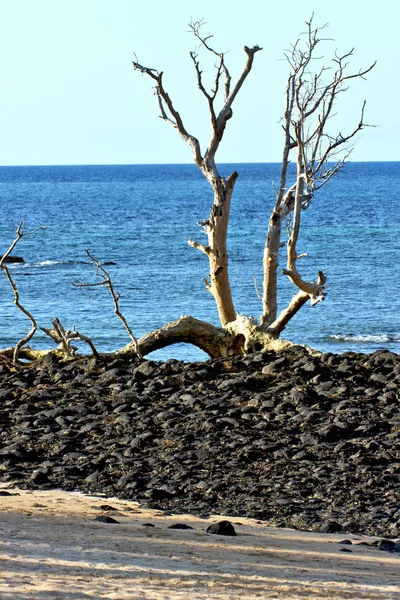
(140, 216)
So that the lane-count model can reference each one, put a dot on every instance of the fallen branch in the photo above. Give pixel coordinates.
(63, 337)
(215, 341)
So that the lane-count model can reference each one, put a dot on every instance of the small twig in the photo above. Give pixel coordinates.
(256, 288)
(207, 284)
(206, 249)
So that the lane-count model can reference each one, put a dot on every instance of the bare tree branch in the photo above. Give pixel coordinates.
(20, 233)
(101, 272)
(315, 291)
(165, 103)
(286, 315)
(195, 27)
(216, 226)
(63, 337)
(77, 335)
(319, 156)
(226, 112)
(60, 336)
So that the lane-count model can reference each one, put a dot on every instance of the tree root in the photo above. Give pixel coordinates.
(215, 341)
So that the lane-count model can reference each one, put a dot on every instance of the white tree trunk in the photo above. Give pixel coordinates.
(217, 231)
(270, 269)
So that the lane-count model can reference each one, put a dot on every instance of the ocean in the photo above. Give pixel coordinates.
(140, 216)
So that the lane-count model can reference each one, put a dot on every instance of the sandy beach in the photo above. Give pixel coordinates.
(52, 548)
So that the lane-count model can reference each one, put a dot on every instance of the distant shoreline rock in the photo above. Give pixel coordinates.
(13, 259)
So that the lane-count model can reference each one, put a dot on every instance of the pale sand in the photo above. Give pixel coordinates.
(51, 548)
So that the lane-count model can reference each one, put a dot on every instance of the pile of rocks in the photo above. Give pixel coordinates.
(292, 438)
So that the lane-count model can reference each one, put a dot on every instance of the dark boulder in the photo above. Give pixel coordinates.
(13, 259)
(222, 528)
(105, 519)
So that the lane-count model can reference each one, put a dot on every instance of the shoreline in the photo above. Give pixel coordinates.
(297, 440)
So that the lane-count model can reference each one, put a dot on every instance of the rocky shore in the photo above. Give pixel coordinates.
(292, 438)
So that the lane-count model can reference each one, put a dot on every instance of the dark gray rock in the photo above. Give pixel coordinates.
(386, 545)
(179, 526)
(145, 369)
(106, 519)
(39, 476)
(222, 528)
(330, 527)
(13, 259)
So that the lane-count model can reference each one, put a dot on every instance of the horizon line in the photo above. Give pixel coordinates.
(169, 164)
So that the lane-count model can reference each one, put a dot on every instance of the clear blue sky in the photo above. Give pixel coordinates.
(70, 95)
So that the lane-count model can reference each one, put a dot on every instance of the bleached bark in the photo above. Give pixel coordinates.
(319, 156)
(270, 268)
(296, 303)
(216, 226)
(63, 337)
(215, 341)
(20, 233)
(273, 240)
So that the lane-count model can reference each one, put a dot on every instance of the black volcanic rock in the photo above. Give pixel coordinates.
(222, 528)
(311, 441)
(13, 259)
(105, 519)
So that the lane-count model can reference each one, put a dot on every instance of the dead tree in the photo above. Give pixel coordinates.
(318, 154)
(216, 226)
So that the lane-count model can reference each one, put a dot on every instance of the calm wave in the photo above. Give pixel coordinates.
(139, 217)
